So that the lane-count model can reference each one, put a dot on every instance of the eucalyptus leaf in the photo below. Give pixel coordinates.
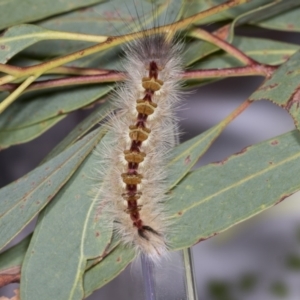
(217, 196)
(23, 199)
(110, 18)
(97, 116)
(13, 257)
(16, 12)
(263, 50)
(283, 88)
(73, 228)
(287, 21)
(264, 10)
(19, 37)
(185, 155)
(231, 13)
(35, 107)
(108, 269)
(25, 134)
(114, 243)
(253, 47)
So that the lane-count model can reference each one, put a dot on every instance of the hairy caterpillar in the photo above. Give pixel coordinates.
(143, 131)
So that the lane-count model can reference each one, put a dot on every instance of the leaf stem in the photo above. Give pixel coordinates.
(11, 70)
(77, 71)
(6, 79)
(16, 71)
(236, 113)
(56, 35)
(229, 48)
(13, 96)
(114, 76)
(11, 275)
(110, 42)
(252, 70)
(70, 81)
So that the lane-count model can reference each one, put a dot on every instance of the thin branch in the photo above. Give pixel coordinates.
(15, 71)
(236, 113)
(114, 41)
(78, 71)
(11, 275)
(11, 70)
(14, 95)
(56, 35)
(6, 79)
(114, 76)
(70, 81)
(229, 48)
(252, 70)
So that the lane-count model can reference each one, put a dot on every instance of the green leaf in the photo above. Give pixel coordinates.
(185, 155)
(108, 269)
(74, 227)
(23, 135)
(229, 13)
(220, 195)
(263, 50)
(283, 88)
(23, 199)
(200, 49)
(19, 37)
(97, 116)
(287, 21)
(252, 6)
(15, 12)
(265, 9)
(115, 241)
(33, 108)
(103, 19)
(12, 258)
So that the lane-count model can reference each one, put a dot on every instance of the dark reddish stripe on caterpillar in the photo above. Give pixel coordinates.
(138, 134)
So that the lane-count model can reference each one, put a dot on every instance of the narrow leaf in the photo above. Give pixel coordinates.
(263, 50)
(16, 12)
(97, 116)
(231, 13)
(73, 228)
(108, 269)
(287, 21)
(283, 88)
(23, 199)
(25, 134)
(185, 155)
(266, 9)
(19, 37)
(11, 261)
(33, 108)
(220, 195)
